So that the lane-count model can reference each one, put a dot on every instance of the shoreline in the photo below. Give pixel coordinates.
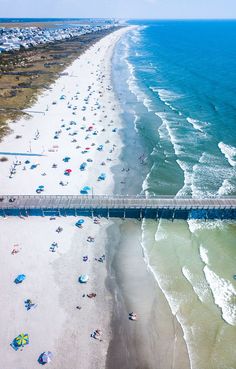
(165, 336)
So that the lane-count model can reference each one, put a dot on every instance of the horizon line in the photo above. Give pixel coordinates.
(118, 18)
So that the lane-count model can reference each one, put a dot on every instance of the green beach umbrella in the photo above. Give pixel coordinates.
(22, 339)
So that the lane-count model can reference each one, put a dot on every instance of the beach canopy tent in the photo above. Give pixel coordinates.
(83, 278)
(27, 162)
(100, 148)
(21, 340)
(20, 278)
(45, 357)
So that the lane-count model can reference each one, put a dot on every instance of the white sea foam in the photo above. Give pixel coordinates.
(197, 124)
(204, 254)
(229, 152)
(198, 225)
(166, 127)
(188, 175)
(135, 89)
(173, 301)
(148, 103)
(136, 119)
(226, 188)
(212, 177)
(199, 286)
(224, 295)
(166, 95)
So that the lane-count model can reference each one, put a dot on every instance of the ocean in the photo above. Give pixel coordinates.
(176, 83)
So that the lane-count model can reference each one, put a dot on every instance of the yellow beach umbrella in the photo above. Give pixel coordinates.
(22, 339)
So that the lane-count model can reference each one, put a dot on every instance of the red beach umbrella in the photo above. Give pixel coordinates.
(68, 170)
(87, 148)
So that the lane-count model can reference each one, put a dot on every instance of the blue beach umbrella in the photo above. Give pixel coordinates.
(79, 222)
(83, 166)
(87, 188)
(83, 278)
(102, 177)
(66, 159)
(83, 192)
(41, 187)
(20, 278)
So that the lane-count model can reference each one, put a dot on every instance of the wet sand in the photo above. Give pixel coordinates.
(155, 341)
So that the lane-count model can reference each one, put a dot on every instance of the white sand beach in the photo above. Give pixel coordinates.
(77, 115)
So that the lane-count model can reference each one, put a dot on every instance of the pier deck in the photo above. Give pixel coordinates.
(119, 206)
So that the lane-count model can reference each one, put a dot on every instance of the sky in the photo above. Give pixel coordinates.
(167, 9)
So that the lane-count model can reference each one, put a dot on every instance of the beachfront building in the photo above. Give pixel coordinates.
(15, 38)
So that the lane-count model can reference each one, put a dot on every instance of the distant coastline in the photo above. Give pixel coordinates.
(27, 72)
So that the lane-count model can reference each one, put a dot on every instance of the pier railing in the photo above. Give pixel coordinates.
(119, 206)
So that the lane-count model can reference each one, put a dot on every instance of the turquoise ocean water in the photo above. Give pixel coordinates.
(176, 81)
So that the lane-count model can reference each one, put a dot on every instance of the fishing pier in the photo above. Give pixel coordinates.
(138, 207)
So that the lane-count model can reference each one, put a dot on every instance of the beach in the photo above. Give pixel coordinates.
(78, 122)
(61, 320)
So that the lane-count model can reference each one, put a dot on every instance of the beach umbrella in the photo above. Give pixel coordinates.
(83, 166)
(102, 177)
(87, 188)
(83, 192)
(83, 278)
(41, 187)
(22, 339)
(20, 278)
(45, 357)
(80, 221)
(68, 170)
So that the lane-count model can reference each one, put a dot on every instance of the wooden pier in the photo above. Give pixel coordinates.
(118, 206)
